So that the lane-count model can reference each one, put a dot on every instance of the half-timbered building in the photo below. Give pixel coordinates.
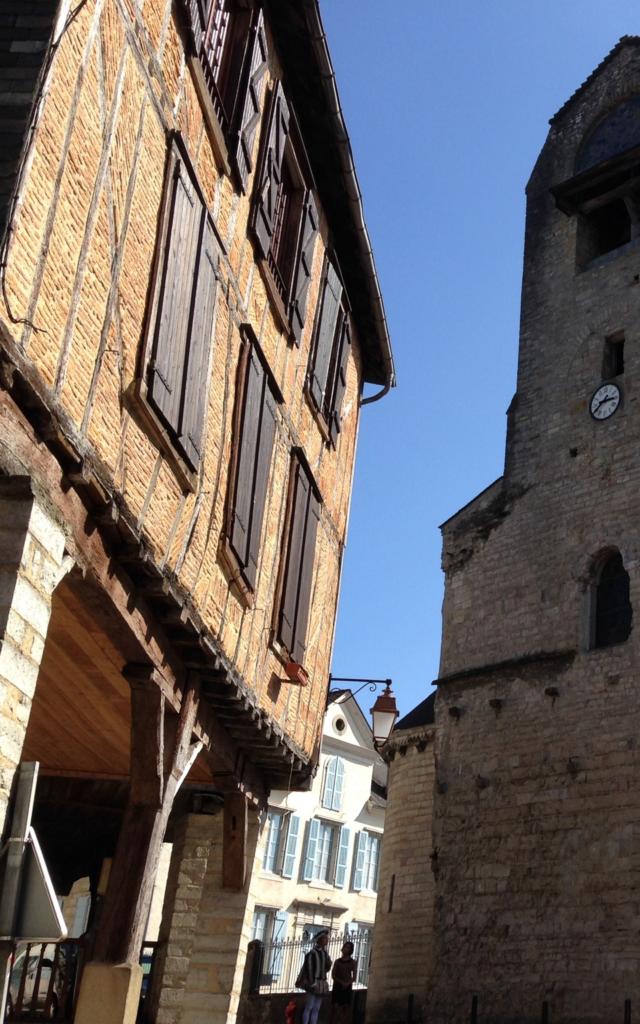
(189, 315)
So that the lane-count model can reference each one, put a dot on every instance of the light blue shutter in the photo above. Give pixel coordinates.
(312, 843)
(361, 847)
(329, 782)
(277, 948)
(336, 802)
(343, 854)
(291, 847)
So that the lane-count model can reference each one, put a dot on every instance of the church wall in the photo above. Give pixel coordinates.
(537, 812)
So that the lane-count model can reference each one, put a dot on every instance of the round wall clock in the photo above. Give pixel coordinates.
(604, 401)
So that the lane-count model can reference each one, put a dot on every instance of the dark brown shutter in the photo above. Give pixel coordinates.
(341, 379)
(249, 430)
(174, 306)
(289, 602)
(325, 334)
(261, 481)
(271, 171)
(242, 145)
(306, 579)
(303, 267)
(200, 340)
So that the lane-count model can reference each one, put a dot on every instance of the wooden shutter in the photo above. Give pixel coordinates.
(361, 847)
(249, 432)
(181, 242)
(289, 860)
(325, 334)
(302, 276)
(312, 844)
(254, 461)
(278, 939)
(329, 782)
(261, 480)
(256, 63)
(271, 172)
(289, 601)
(341, 380)
(200, 341)
(343, 855)
(336, 798)
(197, 12)
(306, 580)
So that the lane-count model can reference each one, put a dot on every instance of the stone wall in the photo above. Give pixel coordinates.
(403, 932)
(205, 928)
(31, 564)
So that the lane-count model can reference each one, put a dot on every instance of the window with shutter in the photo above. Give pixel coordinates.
(220, 37)
(327, 378)
(182, 322)
(333, 784)
(299, 556)
(285, 216)
(256, 427)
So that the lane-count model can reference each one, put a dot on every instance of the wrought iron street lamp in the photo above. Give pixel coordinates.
(384, 711)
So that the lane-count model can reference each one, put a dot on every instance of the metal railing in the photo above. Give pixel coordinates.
(278, 964)
(43, 980)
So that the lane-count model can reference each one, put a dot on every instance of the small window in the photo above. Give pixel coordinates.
(285, 217)
(613, 612)
(330, 354)
(333, 784)
(297, 564)
(181, 326)
(604, 229)
(613, 356)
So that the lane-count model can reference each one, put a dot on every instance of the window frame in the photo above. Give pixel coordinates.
(600, 565)
(162, 432)
(366, 835)
(336, 790)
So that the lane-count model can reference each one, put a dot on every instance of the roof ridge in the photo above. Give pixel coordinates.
(623, 41)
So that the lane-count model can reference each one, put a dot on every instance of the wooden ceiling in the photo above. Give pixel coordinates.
(80, 718)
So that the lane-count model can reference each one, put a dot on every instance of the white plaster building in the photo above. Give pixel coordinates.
(317, 863)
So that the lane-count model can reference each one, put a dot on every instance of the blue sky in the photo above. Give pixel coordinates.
(447, 106)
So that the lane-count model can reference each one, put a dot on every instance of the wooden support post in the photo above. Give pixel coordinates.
(158, 769)
(234, 841)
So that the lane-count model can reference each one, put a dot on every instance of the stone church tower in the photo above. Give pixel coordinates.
(535, 845)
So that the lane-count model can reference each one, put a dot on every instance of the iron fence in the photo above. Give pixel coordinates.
(277, 964)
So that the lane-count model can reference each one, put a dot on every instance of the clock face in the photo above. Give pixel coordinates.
(604, 401)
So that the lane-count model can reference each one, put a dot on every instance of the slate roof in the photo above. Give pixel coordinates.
(25, 29)
(622, 42)
(422, 714)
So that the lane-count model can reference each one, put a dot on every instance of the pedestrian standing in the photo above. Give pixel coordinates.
(344, 974)
(313, 978)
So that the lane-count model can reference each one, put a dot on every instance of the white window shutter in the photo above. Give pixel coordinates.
(338, 785)
(343, 855)
(361, 848)
(291, 847)
(329, 782)
(312, 843)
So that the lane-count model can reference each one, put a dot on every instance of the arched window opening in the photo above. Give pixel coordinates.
(613, 612)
